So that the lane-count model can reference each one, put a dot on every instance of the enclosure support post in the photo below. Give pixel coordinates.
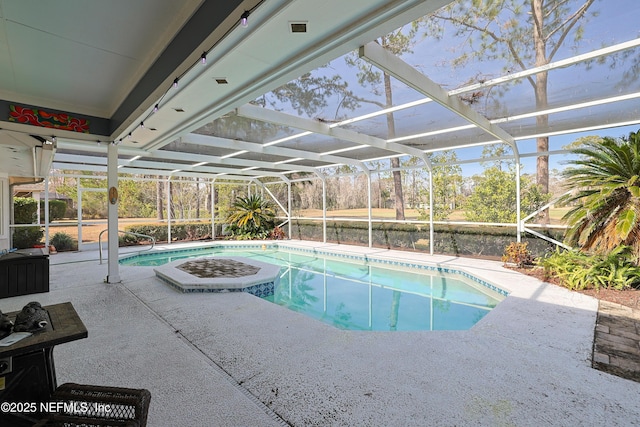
(169, 210)
(213, 209)
(431, 233)
(324, 211)
(46, 211)
(369, 208)
(79, 214)
(518, 201)
(36, 197)
(324, 207)
(112, 214)
(289, 205)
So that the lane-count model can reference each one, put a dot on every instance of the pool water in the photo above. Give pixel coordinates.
(356, 294)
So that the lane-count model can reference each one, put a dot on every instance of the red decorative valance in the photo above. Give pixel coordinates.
(36, 117)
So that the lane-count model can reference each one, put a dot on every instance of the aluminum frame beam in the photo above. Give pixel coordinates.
(391, 64)
(175, 155)
(165, 169)
(232, 144)
(276, 117)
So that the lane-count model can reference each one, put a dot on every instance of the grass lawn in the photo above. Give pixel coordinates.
(410, 214)
(90, 231)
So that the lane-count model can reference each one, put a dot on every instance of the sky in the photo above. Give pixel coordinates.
(616, 22)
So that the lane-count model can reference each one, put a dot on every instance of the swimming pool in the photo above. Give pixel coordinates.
(358, 292)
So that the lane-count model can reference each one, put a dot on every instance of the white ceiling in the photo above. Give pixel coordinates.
(82, 56)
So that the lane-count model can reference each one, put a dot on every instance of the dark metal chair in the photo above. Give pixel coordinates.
(91, 405)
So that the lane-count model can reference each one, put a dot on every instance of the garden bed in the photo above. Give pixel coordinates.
(628, 298)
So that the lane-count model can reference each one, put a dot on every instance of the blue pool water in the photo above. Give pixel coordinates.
(358, 294)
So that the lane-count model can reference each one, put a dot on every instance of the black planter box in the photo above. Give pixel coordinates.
(24, 272)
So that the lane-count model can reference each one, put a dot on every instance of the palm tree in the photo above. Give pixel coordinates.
(606, 178)
(252, 215)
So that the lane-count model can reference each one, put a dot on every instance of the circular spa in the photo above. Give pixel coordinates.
(348, 291)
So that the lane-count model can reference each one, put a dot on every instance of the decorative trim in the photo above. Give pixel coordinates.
(42, 118)
(260, 290)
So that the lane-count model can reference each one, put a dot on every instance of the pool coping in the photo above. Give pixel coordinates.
(334, 252)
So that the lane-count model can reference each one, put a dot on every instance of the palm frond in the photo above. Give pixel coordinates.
(605, 211)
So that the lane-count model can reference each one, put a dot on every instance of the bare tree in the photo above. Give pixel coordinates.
(159, 199)
(398, 42)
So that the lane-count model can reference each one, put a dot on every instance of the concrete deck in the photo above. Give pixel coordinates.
(232, 359)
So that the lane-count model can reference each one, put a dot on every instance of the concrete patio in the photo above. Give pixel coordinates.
(233, 359)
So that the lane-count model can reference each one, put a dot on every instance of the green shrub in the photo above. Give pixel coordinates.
(237, 233)
(128, 239)
(517, 253)
(179, 231)
(57, 209)
(577, 270)
(24, 210)
(27, 237)
(64, 242)
(251, 217)
(157, 231)
(277, 234)
(190, 231)
(479, 241)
